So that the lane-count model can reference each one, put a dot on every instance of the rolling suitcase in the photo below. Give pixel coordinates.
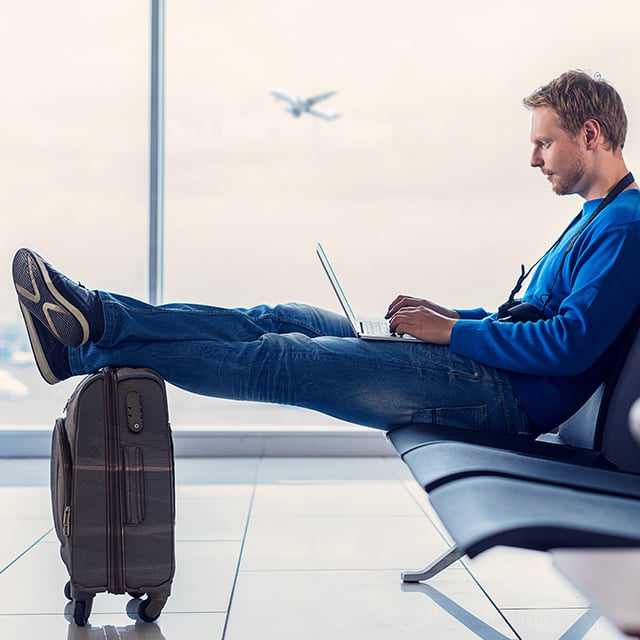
(113, 490)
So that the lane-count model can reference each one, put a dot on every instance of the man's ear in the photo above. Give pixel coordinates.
(591, 133)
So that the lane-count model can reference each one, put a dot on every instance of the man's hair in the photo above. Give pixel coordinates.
(576, 97)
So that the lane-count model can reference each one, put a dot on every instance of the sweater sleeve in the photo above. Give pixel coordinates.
(472, 314)
(602, 295)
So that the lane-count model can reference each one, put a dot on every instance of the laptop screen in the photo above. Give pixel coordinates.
(336, 286)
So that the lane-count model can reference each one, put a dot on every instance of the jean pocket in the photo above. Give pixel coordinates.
(473, 418)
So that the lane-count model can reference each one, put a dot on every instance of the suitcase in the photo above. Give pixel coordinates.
(113, 490)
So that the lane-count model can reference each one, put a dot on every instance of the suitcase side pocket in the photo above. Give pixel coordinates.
(61, 478)
(133, 485)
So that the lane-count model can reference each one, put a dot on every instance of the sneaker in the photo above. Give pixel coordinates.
(53, 299)
(51, 356)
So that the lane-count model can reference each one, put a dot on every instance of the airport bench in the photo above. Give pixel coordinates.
(581, 489)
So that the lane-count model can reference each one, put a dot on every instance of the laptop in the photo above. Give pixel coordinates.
(363, 328)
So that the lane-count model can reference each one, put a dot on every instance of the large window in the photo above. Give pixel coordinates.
(74, 140)
(423, 182)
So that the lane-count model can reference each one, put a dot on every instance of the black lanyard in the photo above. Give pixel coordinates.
(610, 197)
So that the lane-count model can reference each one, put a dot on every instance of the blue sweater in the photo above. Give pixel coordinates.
(556, 363)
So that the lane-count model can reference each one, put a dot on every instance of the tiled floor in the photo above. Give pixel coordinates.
(290, 548)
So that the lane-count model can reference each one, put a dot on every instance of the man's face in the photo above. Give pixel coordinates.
(558, 154)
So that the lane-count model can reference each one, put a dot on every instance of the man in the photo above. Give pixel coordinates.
(520, 372)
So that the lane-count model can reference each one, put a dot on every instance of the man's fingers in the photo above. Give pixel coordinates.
(395, 305)
(399, 303)
(401, 322)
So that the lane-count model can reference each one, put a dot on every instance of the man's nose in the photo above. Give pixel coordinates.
(536, 159)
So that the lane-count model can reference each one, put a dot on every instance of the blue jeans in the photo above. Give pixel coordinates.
(300, 355)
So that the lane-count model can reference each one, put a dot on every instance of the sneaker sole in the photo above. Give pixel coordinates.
(36, 347)
(33, 282)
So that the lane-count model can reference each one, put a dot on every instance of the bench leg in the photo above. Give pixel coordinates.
(449, 557)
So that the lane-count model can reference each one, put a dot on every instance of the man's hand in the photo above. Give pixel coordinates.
(404, 302)
(421, 319)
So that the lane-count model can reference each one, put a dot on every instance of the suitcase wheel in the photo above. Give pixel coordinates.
(136, 595)
(81, 610)
(149, 611)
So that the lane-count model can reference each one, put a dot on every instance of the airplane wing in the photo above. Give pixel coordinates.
(281, 94)
(325, 115)
(323, 96)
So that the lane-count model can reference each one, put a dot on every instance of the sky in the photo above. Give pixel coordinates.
(423, 181)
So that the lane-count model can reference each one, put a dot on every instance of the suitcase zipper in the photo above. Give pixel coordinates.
(115, 577)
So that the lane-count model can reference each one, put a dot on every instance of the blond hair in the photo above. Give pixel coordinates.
(576, 97)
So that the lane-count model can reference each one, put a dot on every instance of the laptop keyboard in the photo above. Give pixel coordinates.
(375, 327)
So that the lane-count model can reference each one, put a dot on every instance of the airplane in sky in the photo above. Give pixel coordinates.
(296, 106)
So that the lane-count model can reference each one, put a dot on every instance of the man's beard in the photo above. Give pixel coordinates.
(568, 182)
